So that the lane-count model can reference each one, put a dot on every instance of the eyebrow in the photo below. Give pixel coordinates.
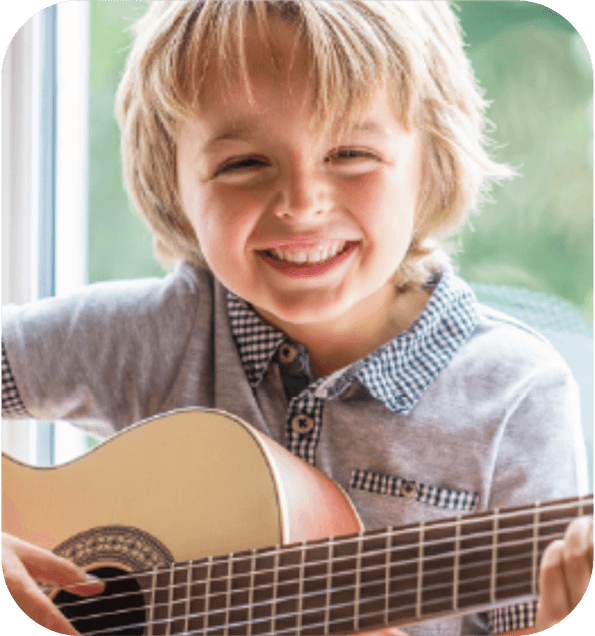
(244, 130)
(369, 126)
(231, 131)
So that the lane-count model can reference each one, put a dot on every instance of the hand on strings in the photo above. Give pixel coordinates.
(24, 565)
(566, 569)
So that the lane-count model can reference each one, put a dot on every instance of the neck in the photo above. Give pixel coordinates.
(335, 343)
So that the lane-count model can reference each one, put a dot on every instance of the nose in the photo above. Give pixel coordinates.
(303, 193)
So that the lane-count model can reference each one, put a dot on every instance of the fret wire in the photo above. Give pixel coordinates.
(152, 603)
(188, 596)
(275, 592)
(420, 568)
(370, 568)
(455, 584)
(494, 555)
(356, 594)
(301, 589)
(329, 582)
(205, 618)
(337, 605)
(387, 574)
(228, 593)
(170, 599)
(251, 590)
(467, 521)
(535, 548)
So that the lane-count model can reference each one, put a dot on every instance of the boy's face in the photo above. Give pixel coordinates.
(307, 228)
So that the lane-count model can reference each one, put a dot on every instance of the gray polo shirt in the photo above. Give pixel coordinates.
(466, 411)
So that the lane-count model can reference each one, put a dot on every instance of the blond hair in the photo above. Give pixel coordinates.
(352, 45)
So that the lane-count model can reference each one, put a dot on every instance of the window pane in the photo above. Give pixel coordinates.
(120, 246)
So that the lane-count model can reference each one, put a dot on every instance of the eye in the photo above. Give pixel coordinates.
(343, 154)
(241, 164)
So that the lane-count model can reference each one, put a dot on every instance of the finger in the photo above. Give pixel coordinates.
(90, 587)
(32, 601)
(578, 563)
(554, 604)
(46, 567)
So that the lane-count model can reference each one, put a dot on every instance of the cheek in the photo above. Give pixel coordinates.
(382, 204)
(362, 196)
(386, 211)
(223, 219)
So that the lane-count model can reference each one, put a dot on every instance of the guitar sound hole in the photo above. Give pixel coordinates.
(117, 611)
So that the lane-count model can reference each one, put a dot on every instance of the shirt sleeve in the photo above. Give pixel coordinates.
(507, 619)
(105, 357)
(541, 457)
(12, 405)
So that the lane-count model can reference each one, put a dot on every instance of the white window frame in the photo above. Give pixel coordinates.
(44, 185)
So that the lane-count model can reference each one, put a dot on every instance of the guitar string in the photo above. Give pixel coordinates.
(402, 563)
(349, 539)
(372, 553)
(575, 505)
(291, 630)
(310, 594)
(442, 556)
(394, 579)
(369, 568)
(513, 529)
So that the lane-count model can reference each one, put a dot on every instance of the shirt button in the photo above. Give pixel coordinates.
(302, 424)
(287, 353)
(408, 489)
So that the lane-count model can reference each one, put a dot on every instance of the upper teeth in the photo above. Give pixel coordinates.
(317, 254)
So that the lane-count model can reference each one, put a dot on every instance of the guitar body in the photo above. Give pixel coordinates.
(185, 485)
(198, 482)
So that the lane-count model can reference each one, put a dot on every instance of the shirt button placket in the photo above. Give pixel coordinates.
(408, 489)
(302, 424)
(287, 353)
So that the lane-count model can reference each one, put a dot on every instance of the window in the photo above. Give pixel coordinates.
(45, 167)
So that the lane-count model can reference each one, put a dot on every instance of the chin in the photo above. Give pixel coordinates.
(303, 312)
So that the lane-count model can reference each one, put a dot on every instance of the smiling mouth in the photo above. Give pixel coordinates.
(306, 261)
(314, 255)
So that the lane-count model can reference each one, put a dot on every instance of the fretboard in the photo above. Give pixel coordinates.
(394, 576)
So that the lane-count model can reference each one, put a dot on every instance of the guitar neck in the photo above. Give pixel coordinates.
(368, 580)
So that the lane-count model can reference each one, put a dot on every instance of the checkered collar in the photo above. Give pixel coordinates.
(399, 372)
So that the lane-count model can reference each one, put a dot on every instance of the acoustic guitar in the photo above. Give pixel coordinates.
(199, 524)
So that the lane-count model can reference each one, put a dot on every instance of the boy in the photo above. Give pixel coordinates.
(300, 159)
